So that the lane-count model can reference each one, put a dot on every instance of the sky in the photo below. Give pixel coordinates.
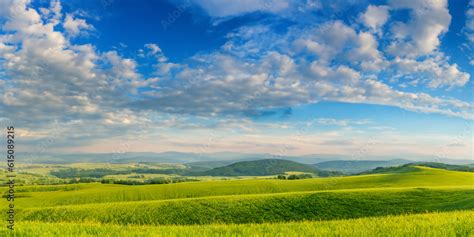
(356, 78)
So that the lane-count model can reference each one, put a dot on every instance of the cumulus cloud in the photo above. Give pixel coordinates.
(469, 28)
(420, 35)
(229, 82)
(337, 41)
(52, 14)
(49, 78)
(435, 72)
(75, 27)
(154, 49)
(256, 70)
(375, 17)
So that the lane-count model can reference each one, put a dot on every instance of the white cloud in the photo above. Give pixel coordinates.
(75, 27)
(341, 122)
(154, 49)
(469, 28)
(309, 5)
(375, 17)
(337, 41)
(278, 63)
(225, 81)
(52, 14)
(222, 84)
(52, 79)
(341, 75)
(450, 76)
(255, 72)
(420, 35)
(121, 68)
(435, 72)
(162, 65)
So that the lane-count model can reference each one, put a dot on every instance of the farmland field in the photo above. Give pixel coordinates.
(425, 199)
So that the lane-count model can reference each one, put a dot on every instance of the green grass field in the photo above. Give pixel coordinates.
(458, 223)
(318, 205)
(104, 193)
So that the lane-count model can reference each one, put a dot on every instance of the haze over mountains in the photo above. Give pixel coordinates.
(208, 161)
(186, 157)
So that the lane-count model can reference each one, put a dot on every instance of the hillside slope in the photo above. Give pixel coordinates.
(415, 166)
(261, 208)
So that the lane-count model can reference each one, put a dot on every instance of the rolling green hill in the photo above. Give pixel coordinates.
(466, 168)
(413, 189)
(261, 208)
(73, 194)
(265, 167)
(413, 166)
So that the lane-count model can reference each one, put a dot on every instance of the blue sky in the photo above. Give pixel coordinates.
(381, 78)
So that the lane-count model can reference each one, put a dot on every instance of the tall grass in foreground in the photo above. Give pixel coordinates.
(458, 223)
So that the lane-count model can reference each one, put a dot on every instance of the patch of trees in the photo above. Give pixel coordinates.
(158, 180)
(83, 173)
(158, 171)
(295, 176)
(101, 172)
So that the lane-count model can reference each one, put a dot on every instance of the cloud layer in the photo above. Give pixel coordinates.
(369, 62)
(375, 58)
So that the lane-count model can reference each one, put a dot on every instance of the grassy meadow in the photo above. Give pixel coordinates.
(420, 200)
(456, 223)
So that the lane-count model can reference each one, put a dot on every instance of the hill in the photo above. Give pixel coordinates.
(357, 166)
(251, 201)
(466, 168)
(265, 167)
(413, 166)
(293, 206)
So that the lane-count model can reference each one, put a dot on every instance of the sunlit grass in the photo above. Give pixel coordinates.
(459, 223)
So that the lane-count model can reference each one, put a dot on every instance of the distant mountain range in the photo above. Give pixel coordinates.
(212, 160)
(135, 157)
